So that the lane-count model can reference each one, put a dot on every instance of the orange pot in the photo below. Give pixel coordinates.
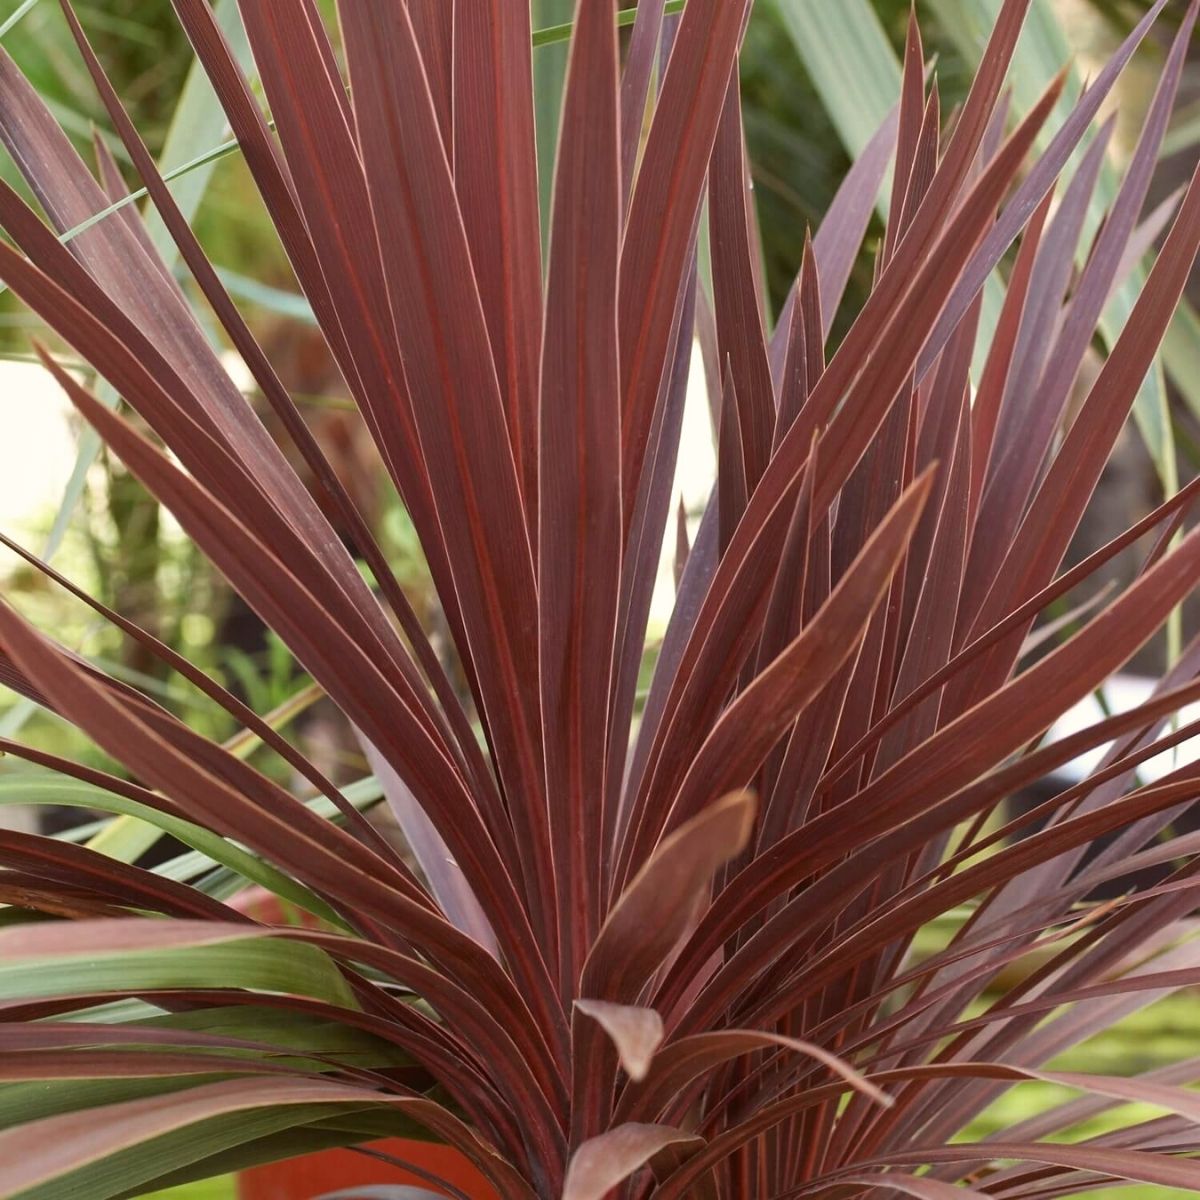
(335, 1170)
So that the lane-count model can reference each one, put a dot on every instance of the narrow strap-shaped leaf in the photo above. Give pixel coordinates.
(693, 587)
(849, 433)
(791, 776)
(919, 904)
(988, 952)
(887, 362)
(13, 677)
(1106, 785)
(971, 127)
(635, 86)
(1030, 852)
(549, 76)
(333, 246)
(459, 411)
(521, 1065)
(925, 156)
(876, 481)
(918, 1186)
(1040, 541)
(72, 690)
(1033, 188)
(271, 176)
(256, 788)
(934, 769)
(162, 396)
(714, 640)
(840, 235)
(174, 393)
(785, 611)
(326, 195)
(495, 181)
(579, 477)
(733, 482)
(113, 182)
(1034, 408)
(176, 226)
(683, 544)
(1008, 1014)
(433, 23)
(51, 789)
(131, 279)
(740, 334)
(308, 243)
(654, 253)
(985, 412)
(930, 223)
(79, 1139)
(179, 1031)
(73, 956)
(887, 368)
(604, 1161)
(771, 1114)
(1015, 1030)
(928, 642)
(1019, 618)
(88, 775)
(759, 716)
(24, 1065)
(445, 877)
(908, 137)
(682, 1061)
(636, 1032)
(942, 403)
(1063, 1116)
(1144, 238)
(1138, 835)
(226, 540)
(656, 908)
(643, 925)
(640, 569)
(1138, 1166)
(30, 893)
(804, 359)
(1037, 764)
(1028, 415)
(239, 711)
(123, 885)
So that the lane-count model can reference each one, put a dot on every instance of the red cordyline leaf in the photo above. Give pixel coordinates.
(75, 1139)
(459, 409)
(636, 1032)
(606, 1160)
(495, 181)
(635, 85)
(740, 340)
(647, 950)
(665, 198)
(271, 386)
(579, 497)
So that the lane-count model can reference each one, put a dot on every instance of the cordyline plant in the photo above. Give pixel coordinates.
(641, 951)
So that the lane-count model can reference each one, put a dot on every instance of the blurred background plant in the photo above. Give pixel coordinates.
(818, 77)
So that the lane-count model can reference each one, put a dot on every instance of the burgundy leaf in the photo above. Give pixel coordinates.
(579, 499)
(611, 1157)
